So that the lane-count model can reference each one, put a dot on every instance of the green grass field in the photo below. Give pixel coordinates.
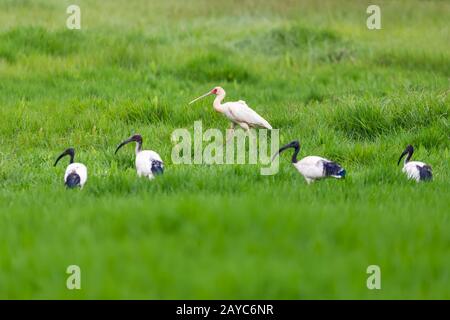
(313, 70)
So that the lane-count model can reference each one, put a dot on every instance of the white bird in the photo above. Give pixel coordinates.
(148, 162)
(415, 170)
(76, 173)
(239, 113)
(312, 167)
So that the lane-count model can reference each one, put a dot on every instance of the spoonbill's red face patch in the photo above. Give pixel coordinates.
(214, 91)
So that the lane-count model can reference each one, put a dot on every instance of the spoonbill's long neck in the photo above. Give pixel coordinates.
(218, 102)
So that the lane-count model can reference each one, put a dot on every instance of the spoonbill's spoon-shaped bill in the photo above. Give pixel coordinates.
(148, 162)
(312, 167)
(201, 97)
(76, 173)
(415, 170)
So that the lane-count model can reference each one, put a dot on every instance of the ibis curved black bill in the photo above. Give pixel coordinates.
(294, 144)
(68, 152)
(136, 138)
(408, 151)
(122, 144)
(401, 157)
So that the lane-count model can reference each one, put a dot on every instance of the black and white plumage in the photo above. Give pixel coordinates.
(76, 173)
(415, 170)
(148, 162)
(312, 167)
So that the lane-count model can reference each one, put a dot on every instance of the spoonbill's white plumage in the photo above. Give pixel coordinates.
(238, 112)
(415, 170)
(76, 173)
(312, 167)
(148, 162)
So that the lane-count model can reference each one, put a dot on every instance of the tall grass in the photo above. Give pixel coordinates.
(313, 70)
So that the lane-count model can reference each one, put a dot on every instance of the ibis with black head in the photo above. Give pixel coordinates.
(313, 167)
(148, 163)
(76, 173)
(415, 170)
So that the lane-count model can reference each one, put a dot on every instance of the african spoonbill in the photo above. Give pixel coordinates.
(238, 112)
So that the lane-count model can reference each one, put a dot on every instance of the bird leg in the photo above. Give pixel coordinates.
(248, 130)
(244, 126)
(230, 132)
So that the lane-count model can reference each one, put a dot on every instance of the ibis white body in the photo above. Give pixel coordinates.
(238, 112)
(416, 170)
(78, 169)
(146, 160)
(314, 168)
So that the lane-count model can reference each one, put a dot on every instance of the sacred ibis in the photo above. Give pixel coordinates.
(76, 173)
(148, 162)
(415, 170)
(312, 167)
(239, 113)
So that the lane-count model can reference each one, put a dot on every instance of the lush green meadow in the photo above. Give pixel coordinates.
(311, 68)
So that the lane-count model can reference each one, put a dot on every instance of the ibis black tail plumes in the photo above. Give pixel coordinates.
(157, 167)
(73, 180)
(425, 173)
(68, 152)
